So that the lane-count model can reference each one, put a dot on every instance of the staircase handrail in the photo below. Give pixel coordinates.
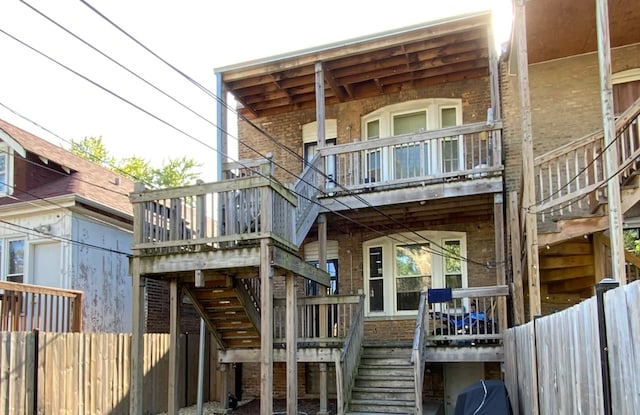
(306, 187)
(347, 366)
(627, 116)
(574, 171)
(418, 353)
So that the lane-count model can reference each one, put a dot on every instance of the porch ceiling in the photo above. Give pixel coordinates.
(416, 215)
(557, 29)
(385, 63)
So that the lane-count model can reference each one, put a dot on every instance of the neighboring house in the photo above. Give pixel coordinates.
(420, 143)
(66, 223)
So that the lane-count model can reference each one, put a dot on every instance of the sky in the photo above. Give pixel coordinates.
(195, 36)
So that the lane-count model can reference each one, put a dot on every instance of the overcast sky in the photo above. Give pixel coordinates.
(194, 35)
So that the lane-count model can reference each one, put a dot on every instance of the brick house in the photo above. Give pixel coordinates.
(408, 193)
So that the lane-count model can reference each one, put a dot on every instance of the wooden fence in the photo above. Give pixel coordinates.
(552, 365)
(89, 373)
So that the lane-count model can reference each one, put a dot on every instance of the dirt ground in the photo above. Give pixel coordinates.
(305, 406)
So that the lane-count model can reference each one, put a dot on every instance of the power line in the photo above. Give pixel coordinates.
(249, 147)
(264, 133)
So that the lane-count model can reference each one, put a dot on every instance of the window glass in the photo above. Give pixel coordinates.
(376, 279)
(413, 273)
(4, 173)
(448, 117)
(373, 129)
(410, 123)
(452, 264)
(16, 261)
(313, 288)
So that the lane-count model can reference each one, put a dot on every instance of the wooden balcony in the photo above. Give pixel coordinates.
(449, 162)
(25, 307)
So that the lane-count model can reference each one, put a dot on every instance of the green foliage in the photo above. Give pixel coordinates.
(93, 149)
(631, 241)
(173, 173)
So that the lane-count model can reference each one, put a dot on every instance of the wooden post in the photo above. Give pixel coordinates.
(493, 75)
(137, 342)
(599, 258)
(292, 349)
(516, 265)
(529, 199)
(266, 329)
(324, 323)
(498, 223)
(320, 109)
(174, 347)
(611, 153)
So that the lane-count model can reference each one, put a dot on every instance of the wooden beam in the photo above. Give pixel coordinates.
(174, 347)
(517, 292)
(311, 355)
(618, 271)
(283, 259)
(322, 262)
(291, 310)
(266, 329)
(337, 90)
(535, 307)
(190, 261)
(494, 75)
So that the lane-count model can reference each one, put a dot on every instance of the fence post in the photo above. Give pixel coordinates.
(602, 287)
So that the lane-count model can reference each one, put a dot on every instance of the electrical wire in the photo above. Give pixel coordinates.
(101, 162)
(267, 135)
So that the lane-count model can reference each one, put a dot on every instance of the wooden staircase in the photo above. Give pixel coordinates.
(385, 383)
(229, 307)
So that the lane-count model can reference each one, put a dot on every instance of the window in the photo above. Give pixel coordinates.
(418, 158)
(399, 267)
(12, 258)
(626, 89)
(6, 172)
(312, 288)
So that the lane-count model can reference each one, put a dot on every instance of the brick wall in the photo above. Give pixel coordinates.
(157, 310)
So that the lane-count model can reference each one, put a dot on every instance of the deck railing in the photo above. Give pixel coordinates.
(471, 318)
(347, 366)
(25, 307)
(212, 215)
(469, 151)
(321, 320)
(571, 179)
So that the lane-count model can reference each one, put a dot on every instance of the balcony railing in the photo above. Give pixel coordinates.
(212, 215)
(25, 307)
(471, 318)
(464, 152)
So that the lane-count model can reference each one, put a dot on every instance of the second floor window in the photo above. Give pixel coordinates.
(12, 259)
(6, 176)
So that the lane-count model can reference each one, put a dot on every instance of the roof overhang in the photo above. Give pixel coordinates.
(558, 29)
(393, 61)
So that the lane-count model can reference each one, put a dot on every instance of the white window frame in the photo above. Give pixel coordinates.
(6, 185)
(5, 257)
(432, 108)
(435, 239)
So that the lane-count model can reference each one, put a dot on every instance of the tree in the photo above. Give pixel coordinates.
(174, 172)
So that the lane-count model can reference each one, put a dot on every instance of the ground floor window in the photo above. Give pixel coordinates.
(398, 267)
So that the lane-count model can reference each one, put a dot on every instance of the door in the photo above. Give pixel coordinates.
(458, 376)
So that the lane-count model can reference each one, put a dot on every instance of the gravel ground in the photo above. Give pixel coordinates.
(252, 407)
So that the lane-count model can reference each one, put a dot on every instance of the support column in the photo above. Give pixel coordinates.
(498, 224)
(529, 197)
(223, 368)
(618, 270)
(516, 260)
(137, 358)
(174, 347)
(199, 282)
(324, 322)
(292, 347)
(266, 329)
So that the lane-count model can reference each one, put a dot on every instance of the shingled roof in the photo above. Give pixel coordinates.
(80, 178)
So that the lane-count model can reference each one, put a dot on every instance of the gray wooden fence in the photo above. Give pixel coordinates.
(552, 365)
(89, 373)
